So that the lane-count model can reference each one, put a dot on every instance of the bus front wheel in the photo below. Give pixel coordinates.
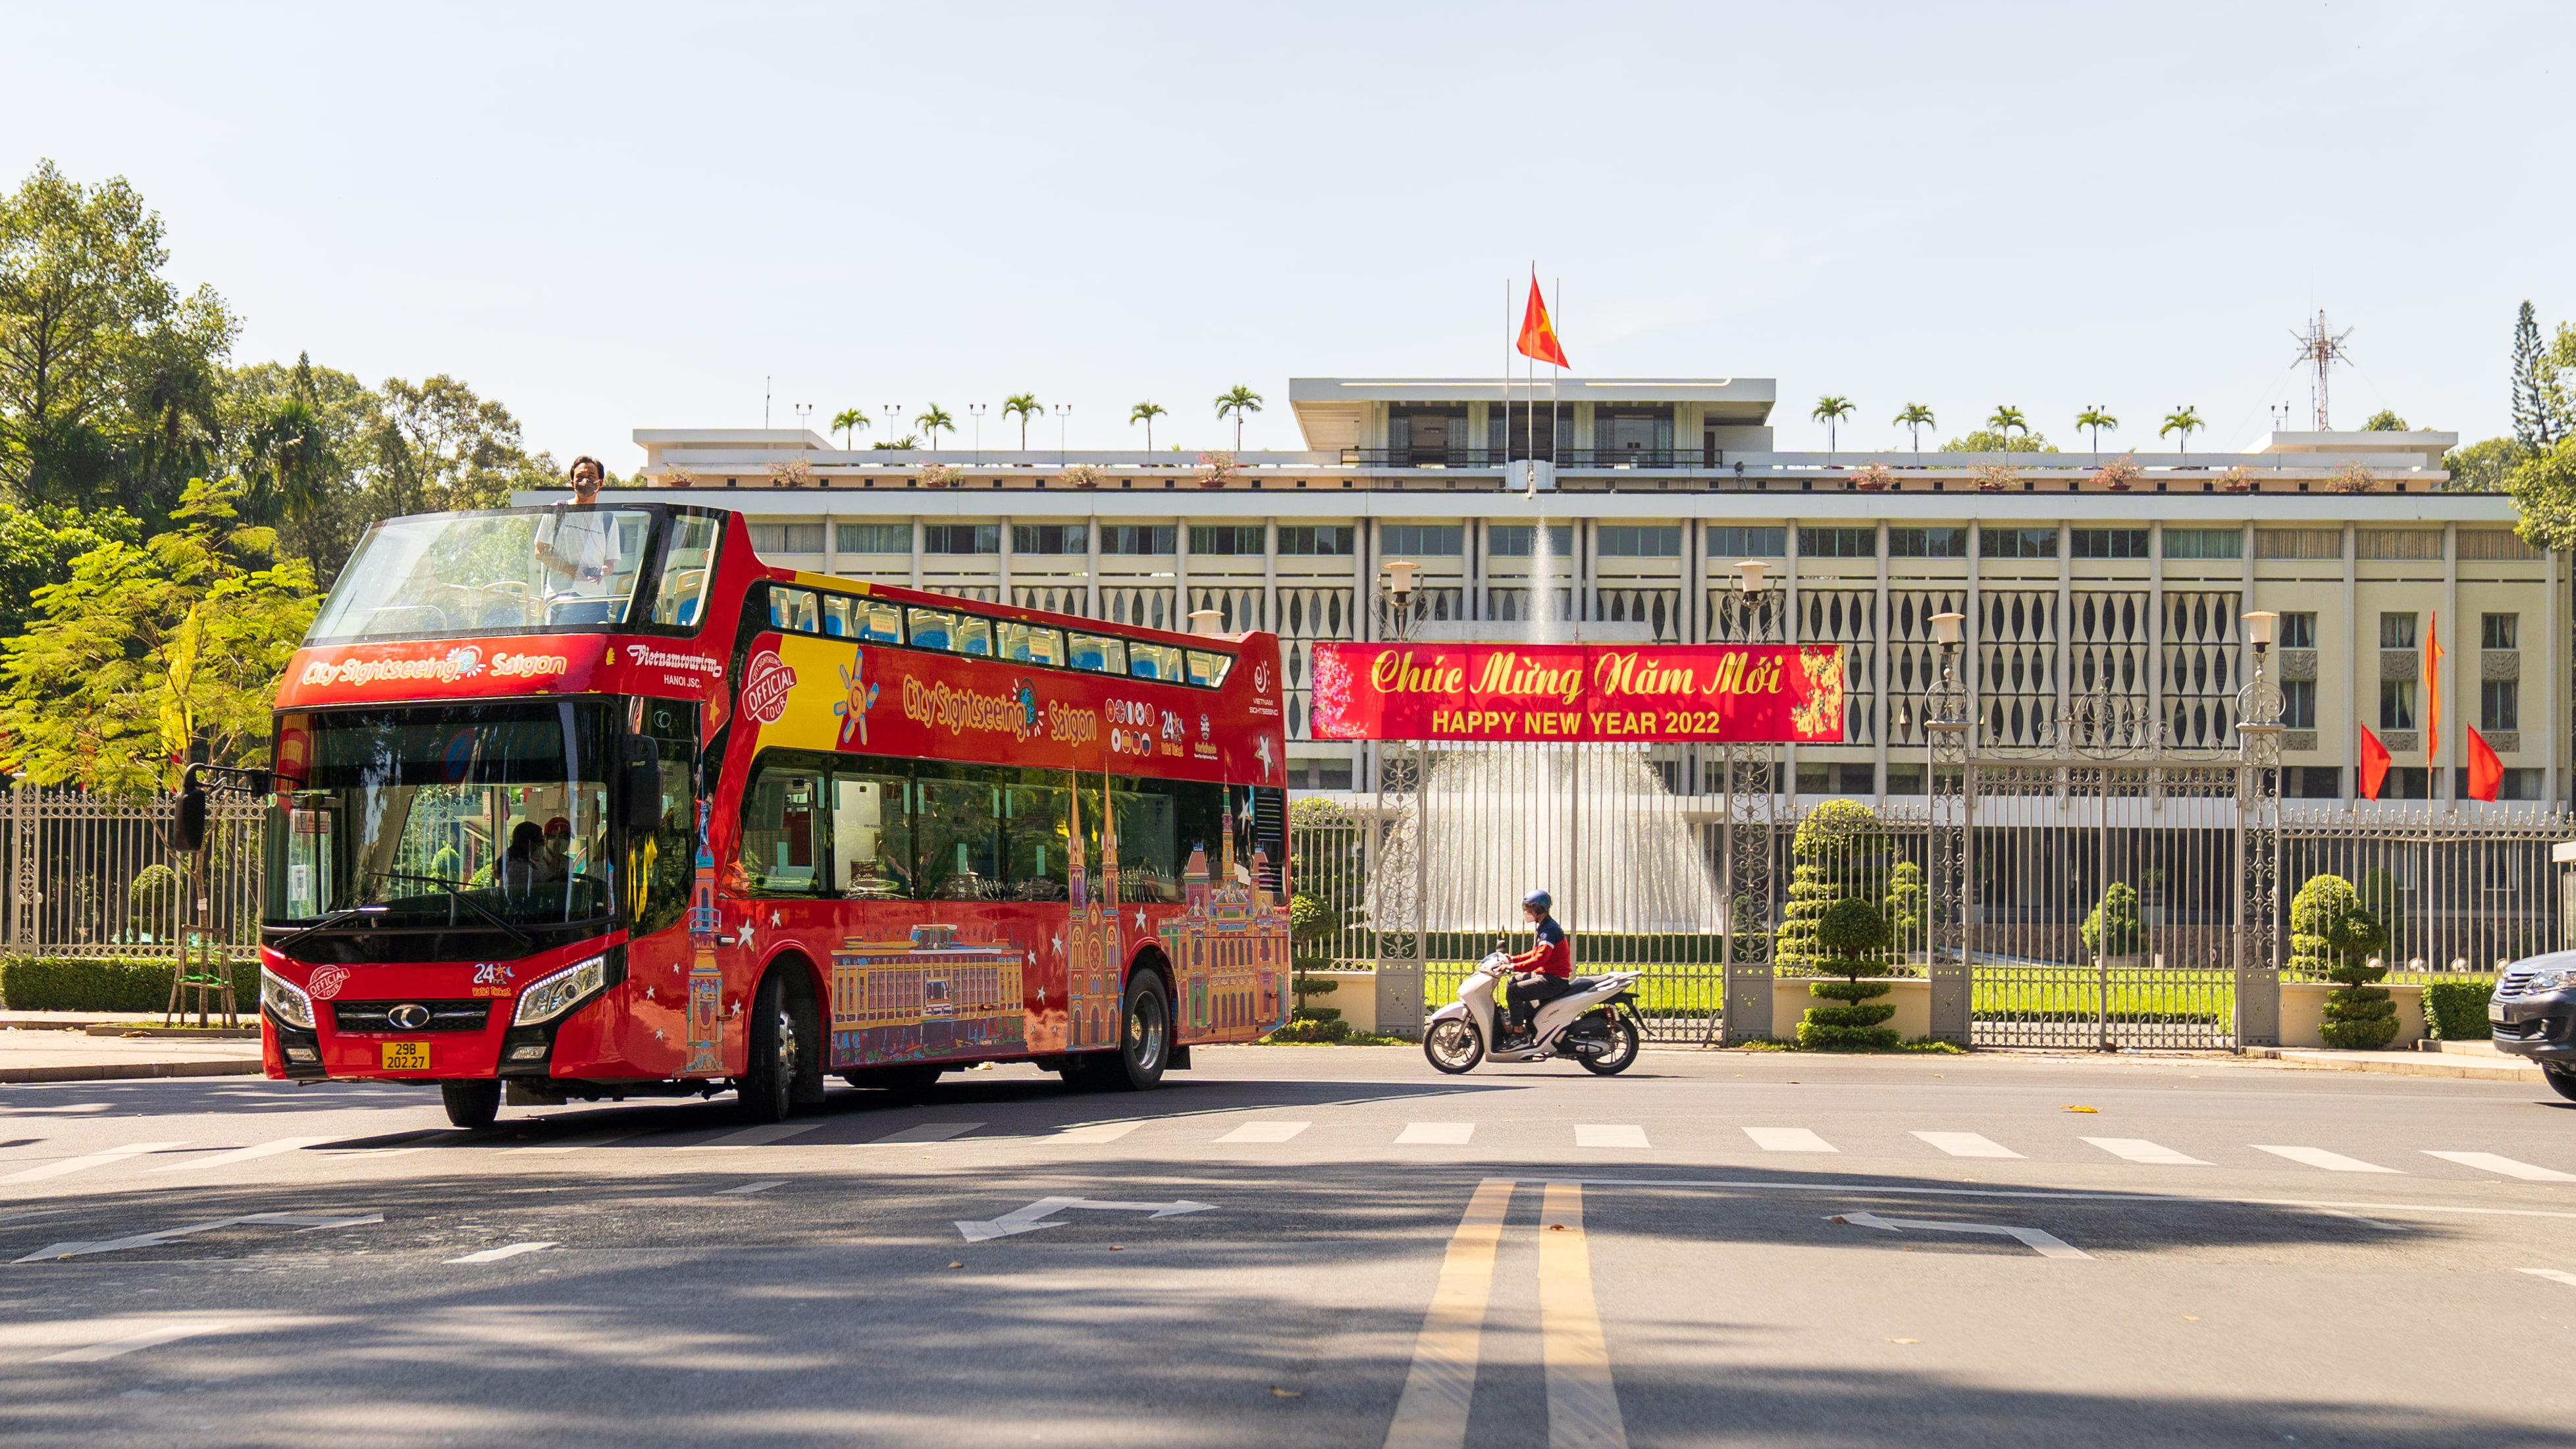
(471, 1105)
(778, 1041)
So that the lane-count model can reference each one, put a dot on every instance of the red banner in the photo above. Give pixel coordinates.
(1707, 692)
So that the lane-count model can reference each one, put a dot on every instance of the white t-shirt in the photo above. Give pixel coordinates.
(584, 547)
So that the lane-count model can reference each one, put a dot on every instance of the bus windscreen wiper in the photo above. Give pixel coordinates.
(324, 924)
(457, 889)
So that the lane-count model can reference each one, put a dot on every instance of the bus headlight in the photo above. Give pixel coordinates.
(551, 996)
(287, 1003)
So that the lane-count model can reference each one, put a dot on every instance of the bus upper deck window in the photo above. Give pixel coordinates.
(1092, 651)
(836, 616)
(880, 623)
(1154, 661)
(932, 629)
(687, 564)
(1209, 669)
(1032, 644)
(974, 635)
(794, 609)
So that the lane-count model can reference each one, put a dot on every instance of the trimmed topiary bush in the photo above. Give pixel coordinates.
(1853, 937)
(2112, 927)
(2332, 935)
(1841, 850)
(1908, 912)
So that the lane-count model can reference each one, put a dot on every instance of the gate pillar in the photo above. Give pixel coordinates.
(1745, 869)
(1398, 880)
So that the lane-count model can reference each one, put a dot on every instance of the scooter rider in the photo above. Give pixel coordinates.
(1541, 974)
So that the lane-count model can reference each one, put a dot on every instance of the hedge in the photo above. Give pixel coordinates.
(2457, 1010)
(81, 983)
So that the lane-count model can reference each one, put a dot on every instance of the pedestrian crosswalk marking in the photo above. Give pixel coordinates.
(2319, 1157)
(1966, 1144)
(1601, 1134)
(753, 1136)
(1788, 1139)
(2139, 1149)
(241, 1154)
(70, 1165)
(1096, 1132)
(1265, 1132)
(2489, 1162)
(1435, 1134)
(930, 1132)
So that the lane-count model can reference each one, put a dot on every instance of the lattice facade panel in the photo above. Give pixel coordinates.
(2017, 666)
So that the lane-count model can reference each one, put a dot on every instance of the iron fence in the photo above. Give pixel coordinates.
(92, 875)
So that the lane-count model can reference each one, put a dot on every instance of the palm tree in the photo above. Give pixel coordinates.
(2184, 420)
(1830, 410)
(1145, 412)
(1915, 419)
(2005, 419)
(932, 421)
(845, 420)
(1238, 402)
(1022, 406)
(2096, 419)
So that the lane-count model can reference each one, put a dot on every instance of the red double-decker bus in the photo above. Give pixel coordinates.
(593, 803)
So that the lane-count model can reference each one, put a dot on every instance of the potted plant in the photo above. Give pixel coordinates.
(1852, 937)
(1997, 478)
(2119, 475)
(2333, 935)
(2353, 477)
(1874, 478)
(1082, 475)
(1215, 470)
(792, 473)
(2239, 479)
(941, 475)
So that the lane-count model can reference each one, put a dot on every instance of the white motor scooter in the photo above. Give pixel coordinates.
(1595, 1023)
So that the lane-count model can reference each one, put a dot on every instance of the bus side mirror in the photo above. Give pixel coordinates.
(640, 783)
(190, 836)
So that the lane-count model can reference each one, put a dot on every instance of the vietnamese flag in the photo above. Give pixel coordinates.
(1538, 338)
(2374, 764)
(2433, 693)
(2486, 772)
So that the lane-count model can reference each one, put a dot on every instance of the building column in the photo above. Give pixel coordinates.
(1091, 564)
(1970, 634)
(1789, 635)
(1878, 636)
(917, 542)
(2156, 635)
(1005, 556)
(831, 547)
(2065, 619)
(2461, 654)
(2361, 678)
(2246, 605)
(1181, 574)
(1269, 576)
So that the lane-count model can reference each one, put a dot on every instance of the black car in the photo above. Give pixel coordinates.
(2533, 1014)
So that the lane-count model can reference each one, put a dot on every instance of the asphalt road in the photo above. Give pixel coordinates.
(1352, 1251)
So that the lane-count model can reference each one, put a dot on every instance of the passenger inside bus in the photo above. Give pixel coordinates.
(521, 868)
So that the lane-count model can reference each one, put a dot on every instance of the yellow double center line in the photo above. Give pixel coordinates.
(1582, 1401)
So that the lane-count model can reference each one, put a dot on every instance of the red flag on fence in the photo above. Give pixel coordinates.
(2433, 696)
(1538, 337)
(2374, 764)
(2486, 772)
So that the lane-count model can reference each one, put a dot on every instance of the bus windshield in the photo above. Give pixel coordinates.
(540, 568)
(465, 816)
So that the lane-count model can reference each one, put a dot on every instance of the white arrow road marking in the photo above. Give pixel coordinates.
(2489, 1162)
(2046, 1244)
(1441, 1386)
(95, 1159)
(1967, 1144)
(2319, 1157)
(241, 1154)
(494, 1255)
(2553, 1275)
(1028, 1219)
(155, 1239)
(119, 1347)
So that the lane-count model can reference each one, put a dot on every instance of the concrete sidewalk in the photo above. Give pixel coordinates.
(64, 1051)
(2470, 1060)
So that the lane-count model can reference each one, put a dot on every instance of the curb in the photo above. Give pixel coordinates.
(122, 1071)
(2435, 1065)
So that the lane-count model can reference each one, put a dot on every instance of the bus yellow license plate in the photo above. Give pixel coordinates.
(406, 1056)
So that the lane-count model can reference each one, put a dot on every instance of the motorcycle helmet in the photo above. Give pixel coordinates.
(1540, 899)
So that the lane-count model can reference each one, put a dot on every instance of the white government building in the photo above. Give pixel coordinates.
(1654, 490)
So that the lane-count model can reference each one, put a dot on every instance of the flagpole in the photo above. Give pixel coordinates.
(1506, 459)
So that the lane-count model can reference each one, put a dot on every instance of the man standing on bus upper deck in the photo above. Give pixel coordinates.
(579, 550)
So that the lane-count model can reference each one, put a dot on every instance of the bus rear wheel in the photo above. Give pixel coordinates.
(471, 1105)
(1144, 1037)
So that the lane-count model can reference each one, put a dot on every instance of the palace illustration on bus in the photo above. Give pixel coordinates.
(589, 802)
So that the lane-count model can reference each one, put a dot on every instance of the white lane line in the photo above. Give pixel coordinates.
(749, 1188)
(242, 1154)
(2489, 1162)
(1096, 1132)
(753, 1137)
(1582, 1400)
(1441, 1385)
(1265, 1132)
(494, 1255)
(71, 1165)
(119, 1347)
(2139, 1149)
(1788, 1139)
(1967, 1144)
(587, 1139)
(1609, 1134)
(928, 1132)
(164, 1235)
(2319, 1157)
(2553, 1275)
(1435, 1134)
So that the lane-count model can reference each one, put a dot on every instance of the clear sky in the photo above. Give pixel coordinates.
(629, 215)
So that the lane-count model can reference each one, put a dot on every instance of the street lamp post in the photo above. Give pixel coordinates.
(892, 412)
(1062, 412)
(1947, 720)
(1395, 607)
(2258, 750)
(976, 411)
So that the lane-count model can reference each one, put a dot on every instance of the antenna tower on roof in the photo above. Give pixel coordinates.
(2321, 349)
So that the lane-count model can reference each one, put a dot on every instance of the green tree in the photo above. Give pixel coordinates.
(1238, 401)
(932, 421)
(1831, 410)
(2483, 467)
(301, 439)
(148, 655)
(1853, 936)
(435, 445)
(847, 419)
(2384, 421)
(1909, 916)
(2097, 420)
(1987, 440)
(2113, 927)
(1914, 417)
(2333, 935)
(1145, 412)
(2544, 497)
(2007, 419)
(38, 545)
(1840, 850)
(1023, 406)
(2539, 402)
(2184, 420)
